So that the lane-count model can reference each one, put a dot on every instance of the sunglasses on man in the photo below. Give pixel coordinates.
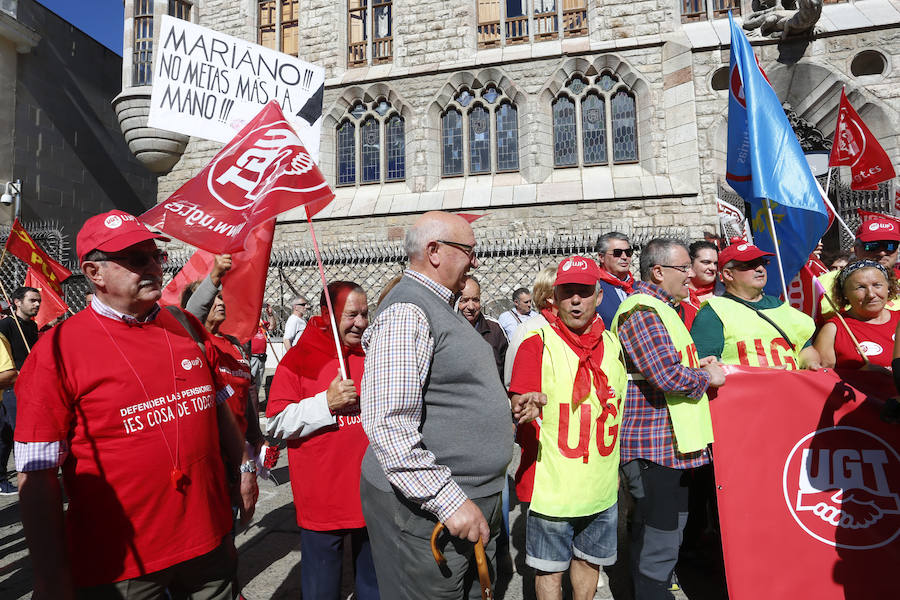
(137, 260)
(752, 265)
(889, 246)
(618, 252)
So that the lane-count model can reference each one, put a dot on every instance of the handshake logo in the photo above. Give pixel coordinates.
(838, 487)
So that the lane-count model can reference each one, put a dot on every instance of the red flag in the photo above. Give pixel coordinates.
(808, 481)
(803, 293)
(52, 306)
(868, 215)
(47, 270)
(242, 287)
(855, 146)
(262, 172)
(469, 217)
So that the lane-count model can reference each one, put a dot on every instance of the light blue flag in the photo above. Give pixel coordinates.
(765, 161)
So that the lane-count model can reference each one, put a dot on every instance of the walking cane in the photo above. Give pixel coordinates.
(484, 577)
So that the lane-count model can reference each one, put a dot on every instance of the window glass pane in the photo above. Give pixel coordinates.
(490, 94)
(142, 57)
(383, 107)
(576, 85)
(396, 149)
(593, 127)
(346, 151)
(371, 151)
(464, 98)
(624, 125)
(606, 82)
(479, 140)
(507, 138)
(565, 152)
(358, 110)
(451, 143)
(180, 9)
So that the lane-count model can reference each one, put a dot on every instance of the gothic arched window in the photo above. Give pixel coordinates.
(484, 126)
(378, 162)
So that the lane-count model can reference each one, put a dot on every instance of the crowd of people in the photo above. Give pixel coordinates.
(400, 420)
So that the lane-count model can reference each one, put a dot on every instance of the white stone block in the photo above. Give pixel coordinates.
(525, 194)
(570, 174)
(846, 16)
(627, 187)
(453, 199)
(597, 183)
(502, 196)
(879, 12)
(404, 203)
(701, 34)
(430, 201)
(559, 192)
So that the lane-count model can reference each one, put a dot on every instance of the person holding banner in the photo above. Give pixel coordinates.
(316, 410)
(747, 327)
(859, 342)
(667, 426)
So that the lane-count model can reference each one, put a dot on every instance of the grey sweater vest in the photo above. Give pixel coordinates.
(466, 419)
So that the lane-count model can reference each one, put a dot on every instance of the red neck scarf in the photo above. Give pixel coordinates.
(589, 348)
(626, 284)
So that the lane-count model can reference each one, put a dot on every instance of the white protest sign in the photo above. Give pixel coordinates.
(209, 85)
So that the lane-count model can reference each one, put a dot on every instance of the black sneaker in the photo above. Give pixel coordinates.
(7, 488)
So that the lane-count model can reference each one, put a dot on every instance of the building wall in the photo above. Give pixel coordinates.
(69, 151)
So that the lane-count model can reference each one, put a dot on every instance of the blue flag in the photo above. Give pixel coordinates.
(765, 161)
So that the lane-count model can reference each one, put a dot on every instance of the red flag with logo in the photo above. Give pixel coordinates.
(808, 481)
(48, 271)
(802, 291)
(262, 172)
(855, 147)
(52, 306)
(242, 287)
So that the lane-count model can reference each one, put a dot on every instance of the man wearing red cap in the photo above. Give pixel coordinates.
(877, 239)
(745, 326)
(137, 435)
(572, 371)
(667, 425)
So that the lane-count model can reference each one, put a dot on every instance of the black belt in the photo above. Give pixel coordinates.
(263, 355)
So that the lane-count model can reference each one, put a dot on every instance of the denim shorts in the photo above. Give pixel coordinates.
(550, 542)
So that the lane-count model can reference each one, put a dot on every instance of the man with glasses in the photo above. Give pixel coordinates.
(438, 422)
(122, 397)
(518, 314)
(296, 323)
(877, 239)
(667, 425)
(746, 327)
(616, 280)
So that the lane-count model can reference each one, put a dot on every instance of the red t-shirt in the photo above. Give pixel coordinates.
(325, 467)
(877, 341)
(233, 369)
(126, 421)
(258, 341)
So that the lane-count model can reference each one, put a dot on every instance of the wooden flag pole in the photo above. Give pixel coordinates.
(777, 250)
(334, 325)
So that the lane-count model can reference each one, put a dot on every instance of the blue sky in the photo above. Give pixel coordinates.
(100, 19)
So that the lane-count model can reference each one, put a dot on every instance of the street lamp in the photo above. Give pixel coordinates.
(13, 192)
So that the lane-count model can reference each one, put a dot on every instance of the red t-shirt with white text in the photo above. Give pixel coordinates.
(234, 370)
(129, 420)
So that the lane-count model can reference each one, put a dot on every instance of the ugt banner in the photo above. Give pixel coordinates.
(262, 172)
(808, 482)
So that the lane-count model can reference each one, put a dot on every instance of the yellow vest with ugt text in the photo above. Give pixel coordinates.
(577, 468)
(690, 417)
(752, 342)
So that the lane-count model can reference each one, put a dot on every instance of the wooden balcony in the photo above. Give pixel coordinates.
(382, 50)
(545, 26)
(489, 34)
(575, 22)
(356, 54)
(516, 30)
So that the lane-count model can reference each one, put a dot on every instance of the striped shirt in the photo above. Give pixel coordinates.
(399, 349)
(646, 426)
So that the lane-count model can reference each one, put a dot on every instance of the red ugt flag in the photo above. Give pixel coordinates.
(52, 306)
(45, 269)
(855, 146)
(262, 172)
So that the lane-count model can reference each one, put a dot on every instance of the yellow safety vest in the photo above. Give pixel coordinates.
(577, 467)
(827, 280)
(690, 417)
(752, 342)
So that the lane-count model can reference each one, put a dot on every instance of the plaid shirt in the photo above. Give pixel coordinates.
(399, 350)
(652, 358)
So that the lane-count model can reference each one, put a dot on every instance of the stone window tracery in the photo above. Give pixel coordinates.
(371, 135)
(593, 119)
(479, 133)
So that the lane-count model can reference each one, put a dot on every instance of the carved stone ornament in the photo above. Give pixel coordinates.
(785, 18)
(811, 139)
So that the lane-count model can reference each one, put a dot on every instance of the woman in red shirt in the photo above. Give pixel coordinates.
(865, 286)
(317, 412)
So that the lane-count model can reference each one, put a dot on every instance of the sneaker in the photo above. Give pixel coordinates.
(673, 584)
(8, 489)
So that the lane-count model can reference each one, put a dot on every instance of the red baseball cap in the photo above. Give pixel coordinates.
(873, 230)
(112, 231)
(577, 269)
(742, 252)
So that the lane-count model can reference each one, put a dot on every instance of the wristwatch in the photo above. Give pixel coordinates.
(248, 467)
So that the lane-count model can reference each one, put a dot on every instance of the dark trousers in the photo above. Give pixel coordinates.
(401, 534)
(660, 514)
(321, 557)
(7, 427)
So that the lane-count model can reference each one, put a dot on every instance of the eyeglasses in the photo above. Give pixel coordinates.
(302, 304)
(138, 260)
(682, 268)
(467, 248)
(618, 252)
(889, 246)
(752, 265)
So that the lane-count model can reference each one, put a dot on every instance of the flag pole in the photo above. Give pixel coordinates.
(777, 250)
(831, 206)
(334, 325)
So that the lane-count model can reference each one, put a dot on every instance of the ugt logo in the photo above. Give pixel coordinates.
(268, 158)
(841, 486)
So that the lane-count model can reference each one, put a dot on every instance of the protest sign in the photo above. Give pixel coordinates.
(210, 85)
(808, 486)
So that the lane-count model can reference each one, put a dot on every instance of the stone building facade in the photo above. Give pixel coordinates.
(568, 115)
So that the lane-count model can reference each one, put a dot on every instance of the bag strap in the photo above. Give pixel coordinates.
(772, 323)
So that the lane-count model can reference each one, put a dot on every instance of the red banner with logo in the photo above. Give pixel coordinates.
(808, 482)
(52, 306)
(23, 247)
(855, 147)
(242, 287)
(262, 172)
(803, 293)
